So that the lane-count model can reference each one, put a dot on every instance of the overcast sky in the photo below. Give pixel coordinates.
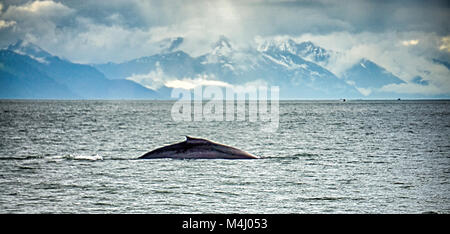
(402, 36)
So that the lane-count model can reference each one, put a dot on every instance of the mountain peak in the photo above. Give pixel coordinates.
(222, 47)
(223, 42)
(312, 52)
(307, 49)
(367, 74)
(281, 45)
(368, 64)
(28, 48)
(174, 43)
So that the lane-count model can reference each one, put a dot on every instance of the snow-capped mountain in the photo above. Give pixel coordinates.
(27, 71)
(365, 75)
(312, 52)
(302, 77)
(222, 48)
(279, 65)
(369, 78)
(298, 68)
(306, 50)
(26, 48)
(223, 61)
(175, 64)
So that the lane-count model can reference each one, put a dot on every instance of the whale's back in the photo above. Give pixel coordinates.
(198, 148)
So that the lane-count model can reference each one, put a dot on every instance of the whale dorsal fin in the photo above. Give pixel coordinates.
(195, 140)
(189, 138)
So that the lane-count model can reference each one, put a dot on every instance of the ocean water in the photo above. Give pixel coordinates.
(325, 157)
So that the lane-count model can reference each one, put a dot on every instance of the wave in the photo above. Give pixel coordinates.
(83, 157)
(76, 157)
(294, 156)
(66, 157)
(99, 157)
(20, 158)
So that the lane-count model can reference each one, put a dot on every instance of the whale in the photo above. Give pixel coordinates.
(198, 148)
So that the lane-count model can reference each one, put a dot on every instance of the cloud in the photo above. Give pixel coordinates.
(97, 32)
(42, 9)
(157, 78)
(410, 42)
(37, 21)
(94, 43)
(445, 46)
(192, 83)
(102, 29)
(419, 80)
(268, 17)
(364, 91)
(412, 88)
(6, 24)
(153, 80)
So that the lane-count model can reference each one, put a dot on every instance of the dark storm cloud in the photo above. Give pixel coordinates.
(62, 26)
(275, 17)
(353, 16)
(281, 17)
(265, 17)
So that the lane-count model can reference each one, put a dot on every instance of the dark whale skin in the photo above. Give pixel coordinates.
(198, 148)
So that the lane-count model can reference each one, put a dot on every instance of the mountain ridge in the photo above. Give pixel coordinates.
(298, 68)
(30, 72)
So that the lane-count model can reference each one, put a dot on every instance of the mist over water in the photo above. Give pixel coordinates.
(326, 156)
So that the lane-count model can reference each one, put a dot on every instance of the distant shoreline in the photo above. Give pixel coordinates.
(281, 100)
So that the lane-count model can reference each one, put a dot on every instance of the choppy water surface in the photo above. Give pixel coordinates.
(332, 157)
